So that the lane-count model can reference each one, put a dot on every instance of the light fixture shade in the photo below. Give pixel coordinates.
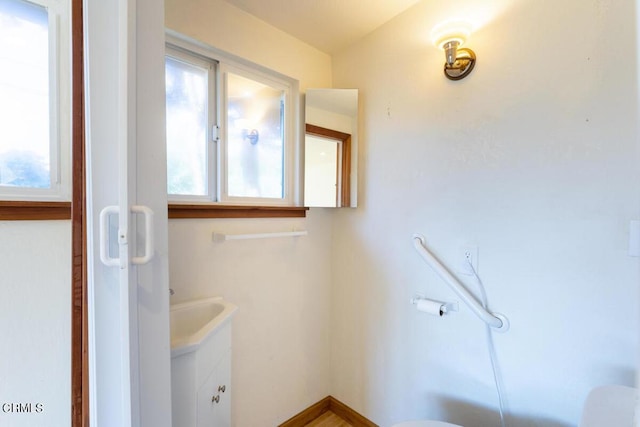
(450, 51)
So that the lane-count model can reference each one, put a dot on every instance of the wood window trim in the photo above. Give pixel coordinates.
(345, 166)
(79, 306)
(191, 211)
(34, 211)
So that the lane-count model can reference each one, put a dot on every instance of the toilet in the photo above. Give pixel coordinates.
(610, 406)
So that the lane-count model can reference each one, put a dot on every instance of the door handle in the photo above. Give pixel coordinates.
(104, 237)
(105, 240)
(148, 234)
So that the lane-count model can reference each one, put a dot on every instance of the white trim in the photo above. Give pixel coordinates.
(211, 66)
(289, 147)
(60, 98)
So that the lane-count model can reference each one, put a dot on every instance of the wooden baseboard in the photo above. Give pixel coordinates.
(309, 414)
(348, 414)
(329, 403)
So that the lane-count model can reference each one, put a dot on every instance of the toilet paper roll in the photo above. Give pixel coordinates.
(435, 308)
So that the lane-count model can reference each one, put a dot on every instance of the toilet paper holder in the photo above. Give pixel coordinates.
(443, 307)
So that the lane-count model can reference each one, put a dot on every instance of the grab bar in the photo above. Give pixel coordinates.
(497, 321)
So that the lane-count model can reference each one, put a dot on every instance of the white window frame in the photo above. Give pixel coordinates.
(58, 13)
(212, 121)
(239, 66)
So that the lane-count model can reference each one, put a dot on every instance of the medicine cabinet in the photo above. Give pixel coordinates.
(331, 148)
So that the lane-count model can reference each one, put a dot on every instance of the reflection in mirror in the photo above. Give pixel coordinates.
(331, 141)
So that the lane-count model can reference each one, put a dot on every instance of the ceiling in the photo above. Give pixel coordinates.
(328, 25)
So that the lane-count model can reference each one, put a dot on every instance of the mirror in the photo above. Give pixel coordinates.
(331, 147)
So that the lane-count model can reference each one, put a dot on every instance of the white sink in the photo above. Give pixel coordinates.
(193, 322)
(201, 362)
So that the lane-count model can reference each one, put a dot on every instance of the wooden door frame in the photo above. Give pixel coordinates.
(345, 164)
(79, 329)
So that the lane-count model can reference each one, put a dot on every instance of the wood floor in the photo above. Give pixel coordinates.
(329, 412)
(328, 419)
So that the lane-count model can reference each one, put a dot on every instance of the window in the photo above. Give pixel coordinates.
(191, 118)
(34, 100)
(230, 129)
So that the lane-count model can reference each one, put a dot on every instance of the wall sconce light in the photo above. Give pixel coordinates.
(252, 135)
(459, 61)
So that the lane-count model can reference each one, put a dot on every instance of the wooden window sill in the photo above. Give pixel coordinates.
(41, 211)
(180, 211)
(34, 211)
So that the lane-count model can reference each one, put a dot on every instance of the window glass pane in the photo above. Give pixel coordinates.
(255, 149)
(25, 158)
(187, 92)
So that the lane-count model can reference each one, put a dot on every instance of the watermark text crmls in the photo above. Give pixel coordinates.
(22, 408)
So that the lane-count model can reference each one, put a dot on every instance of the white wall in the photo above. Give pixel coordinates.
(281, 286)
(330, 120)
(35, 314)
(226, 27)
(534, 158)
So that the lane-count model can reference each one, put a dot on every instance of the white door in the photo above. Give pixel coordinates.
(128, 295)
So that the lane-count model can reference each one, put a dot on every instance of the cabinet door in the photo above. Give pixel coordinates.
(214, 396)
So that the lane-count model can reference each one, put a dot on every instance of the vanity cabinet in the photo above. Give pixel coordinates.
(201, 382)
(214, 397)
